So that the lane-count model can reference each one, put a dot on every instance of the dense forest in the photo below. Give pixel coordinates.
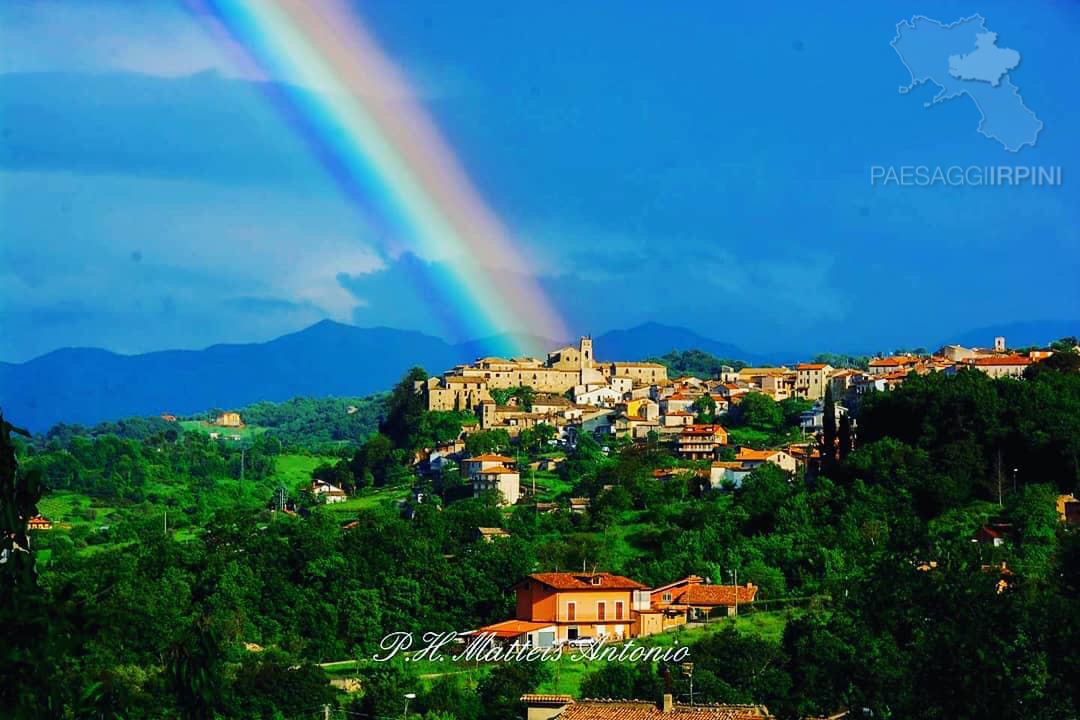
(886, 602)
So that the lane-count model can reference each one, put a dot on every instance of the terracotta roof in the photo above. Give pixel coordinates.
(584, 581)
(1002, 360)
(491, 531)
(497, 470)
(751, 454)
(645, 710)
(892, 361)
(490, 458)
(811, 366)
(713, 595)
(703, 430)
(511, 628)
(539, 698)
(665, 472)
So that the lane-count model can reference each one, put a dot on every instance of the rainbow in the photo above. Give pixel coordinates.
(359, 117)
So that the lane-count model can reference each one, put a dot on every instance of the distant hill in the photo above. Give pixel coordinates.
(86, 385)
(653, 340)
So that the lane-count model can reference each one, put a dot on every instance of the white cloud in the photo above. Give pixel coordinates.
(149, 38)
(130, 251)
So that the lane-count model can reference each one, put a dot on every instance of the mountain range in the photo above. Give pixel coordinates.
(88, 385)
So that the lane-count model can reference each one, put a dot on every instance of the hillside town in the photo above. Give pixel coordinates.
(574, 393)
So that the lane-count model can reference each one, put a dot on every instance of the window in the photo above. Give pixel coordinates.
(601, 610)
(571, 633)
(571, 611)
(618, 610)
(666, 597)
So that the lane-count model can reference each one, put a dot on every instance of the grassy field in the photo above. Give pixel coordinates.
(569, 671)
(245, 433)
(64, 507)
(367, 499)
(292, 469)
(549, 486)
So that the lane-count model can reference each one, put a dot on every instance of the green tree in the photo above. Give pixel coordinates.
(405, 411)
(704, 409)
(759, 412)
(25, 662)
(843, 440)
(500, 692)
(828, 432)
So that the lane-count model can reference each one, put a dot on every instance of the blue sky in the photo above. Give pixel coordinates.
(700, 165)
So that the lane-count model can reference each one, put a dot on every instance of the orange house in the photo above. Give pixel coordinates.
(586, 605)
(38, 522)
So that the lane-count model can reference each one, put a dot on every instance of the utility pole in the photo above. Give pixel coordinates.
(688, 668)
(736, 576)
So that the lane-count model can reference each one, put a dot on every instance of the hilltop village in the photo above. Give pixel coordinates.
(783, 524)
(573, 393)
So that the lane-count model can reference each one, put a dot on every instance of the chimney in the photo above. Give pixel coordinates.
(668, 703)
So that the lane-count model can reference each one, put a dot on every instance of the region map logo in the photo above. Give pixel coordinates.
(964, 59)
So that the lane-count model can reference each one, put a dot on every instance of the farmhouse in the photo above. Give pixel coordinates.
(692, 599)
(229, 419)
(331, 493)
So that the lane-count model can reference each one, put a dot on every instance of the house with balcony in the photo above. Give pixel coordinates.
(553, 608)
(700, 442)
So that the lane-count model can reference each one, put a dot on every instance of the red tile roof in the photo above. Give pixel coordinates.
(497, 470)
(540, 698)
(511, 628)
(713, 595)
(645, 710)
(584, 581)
(892, 361)
(490, 458)
(811, 366)
(750, 454)
(1001, 360)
